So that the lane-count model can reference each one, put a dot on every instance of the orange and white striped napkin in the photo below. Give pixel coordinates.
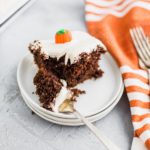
(110, 21)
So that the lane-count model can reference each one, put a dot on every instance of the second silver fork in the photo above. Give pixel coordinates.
(142, 46)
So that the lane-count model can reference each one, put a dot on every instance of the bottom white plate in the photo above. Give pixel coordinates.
(69, 121)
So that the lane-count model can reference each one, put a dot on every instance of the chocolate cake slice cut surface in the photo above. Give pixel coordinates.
(47, 87)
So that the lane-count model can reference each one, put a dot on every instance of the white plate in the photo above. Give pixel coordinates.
(73, 122)
(74, 119)
(99, 95)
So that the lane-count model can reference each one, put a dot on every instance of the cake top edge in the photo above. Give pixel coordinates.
(80, 42)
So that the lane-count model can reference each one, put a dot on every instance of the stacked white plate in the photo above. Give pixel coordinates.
(101, 96)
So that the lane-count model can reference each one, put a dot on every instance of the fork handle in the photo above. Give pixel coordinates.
(109, 144)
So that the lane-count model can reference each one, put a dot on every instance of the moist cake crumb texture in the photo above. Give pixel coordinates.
(47, 87)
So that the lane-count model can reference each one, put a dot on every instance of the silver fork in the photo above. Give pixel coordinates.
(68, 107)
(142, 46)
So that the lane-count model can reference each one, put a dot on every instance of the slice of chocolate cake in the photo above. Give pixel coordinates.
(72, 58)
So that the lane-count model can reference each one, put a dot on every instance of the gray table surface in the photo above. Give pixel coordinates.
(19, 129)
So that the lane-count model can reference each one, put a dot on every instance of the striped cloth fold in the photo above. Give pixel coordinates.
(110, 21)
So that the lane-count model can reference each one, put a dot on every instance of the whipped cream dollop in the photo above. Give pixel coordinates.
(81, 42)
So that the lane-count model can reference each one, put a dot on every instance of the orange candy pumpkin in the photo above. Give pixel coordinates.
(63, 36)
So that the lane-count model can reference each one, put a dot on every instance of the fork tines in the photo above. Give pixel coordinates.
(141, 43)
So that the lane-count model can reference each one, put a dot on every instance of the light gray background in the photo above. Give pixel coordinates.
(19, 129)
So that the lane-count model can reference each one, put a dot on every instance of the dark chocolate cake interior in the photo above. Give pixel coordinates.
(51, 70)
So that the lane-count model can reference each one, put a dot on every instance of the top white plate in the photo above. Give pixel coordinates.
(100, 93)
